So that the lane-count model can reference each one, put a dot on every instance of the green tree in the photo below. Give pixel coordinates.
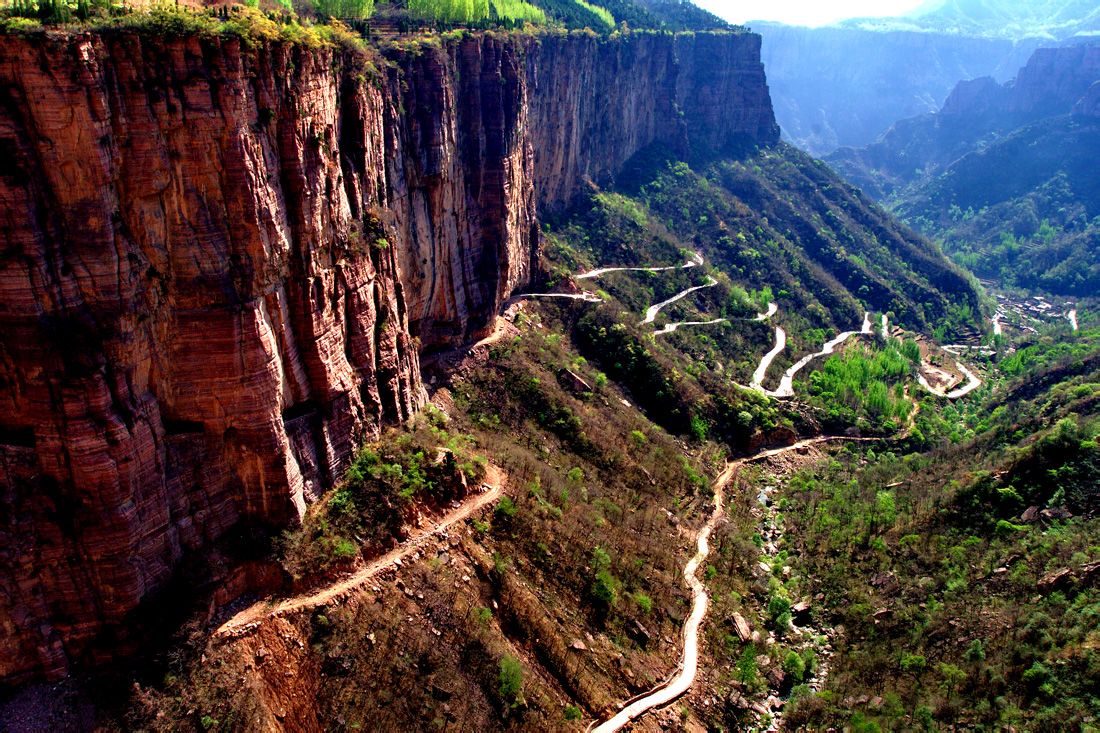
(345, 9)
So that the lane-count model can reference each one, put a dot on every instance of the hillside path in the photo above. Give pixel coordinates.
(495, 479)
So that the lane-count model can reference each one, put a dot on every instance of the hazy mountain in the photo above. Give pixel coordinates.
(843, 86)
(1004, 174)
(1013, 19)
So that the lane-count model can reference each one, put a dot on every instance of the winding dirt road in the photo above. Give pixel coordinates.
(757, 382)
(584, 295)
(669, 328)
(653, 310)
(688, 667)
(786, 383)
(771, 311)
(972, 383)
(245, 620)
(695, 261)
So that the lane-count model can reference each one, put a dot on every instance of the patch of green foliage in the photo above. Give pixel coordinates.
(423, 464)
(864, 384)
(450, 11)
(518, 12)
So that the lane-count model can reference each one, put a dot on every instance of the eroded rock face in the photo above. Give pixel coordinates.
(219, 265)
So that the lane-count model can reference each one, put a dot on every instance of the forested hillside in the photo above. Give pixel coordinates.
(964, 574)
(492, 365)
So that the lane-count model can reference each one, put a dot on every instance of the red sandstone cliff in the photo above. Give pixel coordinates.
(219, 264)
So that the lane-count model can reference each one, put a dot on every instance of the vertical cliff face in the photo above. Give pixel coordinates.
(593, 104)
(220, 262)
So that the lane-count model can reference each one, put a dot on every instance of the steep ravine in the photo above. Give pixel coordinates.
(220, 264)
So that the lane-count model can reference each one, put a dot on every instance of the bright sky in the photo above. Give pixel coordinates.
(806, 12)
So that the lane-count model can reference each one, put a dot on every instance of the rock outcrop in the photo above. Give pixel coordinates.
(220, 262)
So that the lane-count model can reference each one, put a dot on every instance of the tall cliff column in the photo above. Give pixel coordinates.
(192, 328)
(461, 194)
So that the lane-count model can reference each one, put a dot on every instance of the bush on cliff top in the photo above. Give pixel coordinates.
(247, 24)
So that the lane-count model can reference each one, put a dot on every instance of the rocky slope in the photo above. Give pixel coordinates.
(222, 259)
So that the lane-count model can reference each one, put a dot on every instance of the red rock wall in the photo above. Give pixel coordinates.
(219, 264)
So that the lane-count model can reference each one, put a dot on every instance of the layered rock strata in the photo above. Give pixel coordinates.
(220, 262)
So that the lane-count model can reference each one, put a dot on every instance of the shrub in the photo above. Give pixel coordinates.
(794, 666)
(506, 507)
(699, 427)
(605, 588)
(511, 680)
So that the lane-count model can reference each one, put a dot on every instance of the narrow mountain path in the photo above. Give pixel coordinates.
(688, 667)
(653, 310)
(247, 619)
(786, 383)
(669, 328)
(695, 261)
(586, 296)
(771, 311)
(757, 382)
(958, 349)
(972, 383)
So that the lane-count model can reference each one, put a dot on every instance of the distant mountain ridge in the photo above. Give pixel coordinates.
(1013, 19)
(844, 85)
(1052, 83)
(1005, 174)
(1005, 19)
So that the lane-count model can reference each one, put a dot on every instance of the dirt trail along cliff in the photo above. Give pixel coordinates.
(695, 261)
(224, 260)
(246, 619)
